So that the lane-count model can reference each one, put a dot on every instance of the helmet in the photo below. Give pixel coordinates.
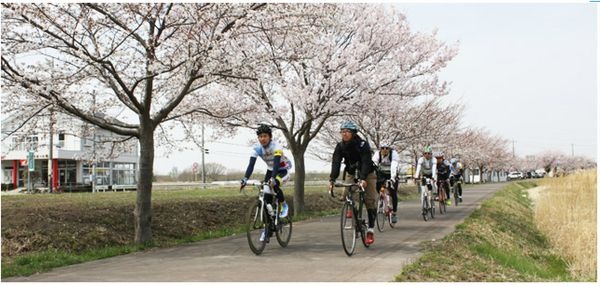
(439, 154)
(385, 144)
(427, 149)
(349, 125)
(453, 161)
(264, 129)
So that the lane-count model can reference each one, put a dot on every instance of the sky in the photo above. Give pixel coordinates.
(525, 72)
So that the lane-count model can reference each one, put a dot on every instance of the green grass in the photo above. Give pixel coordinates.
(46, 260)
(497, 242)
(38, 262)
(45, 231)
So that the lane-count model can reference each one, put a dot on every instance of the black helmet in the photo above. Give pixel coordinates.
(264, 129)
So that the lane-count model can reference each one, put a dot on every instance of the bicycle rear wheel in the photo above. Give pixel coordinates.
(284, 231)
(255, 225)
(348, 229)
(381, 214)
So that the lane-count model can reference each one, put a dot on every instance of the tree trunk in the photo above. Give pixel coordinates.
(299, 178)
(143, 204)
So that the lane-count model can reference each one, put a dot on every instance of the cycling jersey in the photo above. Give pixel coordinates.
(426, 168)
(443, 170)
(387, 165)
(268, 154)
(456, 170)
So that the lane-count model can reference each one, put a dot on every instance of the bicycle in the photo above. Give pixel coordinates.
(351, 227)
(384, 208)
(427, 199)
(262, 218)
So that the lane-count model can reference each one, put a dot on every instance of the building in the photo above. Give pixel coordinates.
(72, 162)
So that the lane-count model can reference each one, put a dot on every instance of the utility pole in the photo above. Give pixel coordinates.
(513, 148)
(93, 145)
(203, 166)
(50, 150)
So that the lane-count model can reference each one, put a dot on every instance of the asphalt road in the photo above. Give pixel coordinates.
(314, 254)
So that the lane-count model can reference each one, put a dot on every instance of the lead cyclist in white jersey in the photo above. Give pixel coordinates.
(277, 164)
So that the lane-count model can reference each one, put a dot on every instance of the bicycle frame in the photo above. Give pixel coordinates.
(425, 192)
(264, 188)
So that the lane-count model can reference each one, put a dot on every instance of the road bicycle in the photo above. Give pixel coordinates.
(384, 206)
(427, 199)
(353, 219)
(263, 220)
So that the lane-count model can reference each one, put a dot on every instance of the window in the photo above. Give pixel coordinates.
(32, 143)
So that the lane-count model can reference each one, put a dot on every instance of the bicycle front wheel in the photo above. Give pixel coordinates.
(255, 225)
(442, 201)
(432, 204)
(284, 231)
(348, 229)
(362, 221)
(381, 215)
(425, 208)
(456, 196)
(389, 211)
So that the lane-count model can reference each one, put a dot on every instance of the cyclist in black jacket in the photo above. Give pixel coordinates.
(356, 153)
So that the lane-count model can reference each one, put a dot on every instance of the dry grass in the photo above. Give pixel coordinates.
(566, 212)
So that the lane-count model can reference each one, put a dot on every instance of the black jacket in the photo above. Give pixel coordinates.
(443, 171)
(356, 154)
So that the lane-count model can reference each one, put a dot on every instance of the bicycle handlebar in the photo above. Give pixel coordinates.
(346, 185)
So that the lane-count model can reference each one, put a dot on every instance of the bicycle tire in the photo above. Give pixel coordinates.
(255, 224)
(284, 231)
(361, 220)
(456, 195)
(442, 201)
(432, 210)
(443, 207)
(389, 212)
(381, 215)
(424, 209)
(348, 229)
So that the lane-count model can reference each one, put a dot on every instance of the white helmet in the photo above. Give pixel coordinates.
(438, 154)
(453, 161)
(385, 144)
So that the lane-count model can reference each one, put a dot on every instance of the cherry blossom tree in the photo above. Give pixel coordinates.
(329, 65)
(148, 66)
(485, 152)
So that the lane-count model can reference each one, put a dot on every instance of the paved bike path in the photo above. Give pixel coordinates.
(314, 254)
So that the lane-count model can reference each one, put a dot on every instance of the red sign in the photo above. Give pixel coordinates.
(23, 163)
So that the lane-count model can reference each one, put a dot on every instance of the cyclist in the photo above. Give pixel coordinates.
(277, 166)
(425, 166)
(456, 176)
(443, 174)
(357, 156)
(387, 161)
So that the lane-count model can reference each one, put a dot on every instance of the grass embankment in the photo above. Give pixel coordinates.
(566, 212)
(498, 242)
(44, 231)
